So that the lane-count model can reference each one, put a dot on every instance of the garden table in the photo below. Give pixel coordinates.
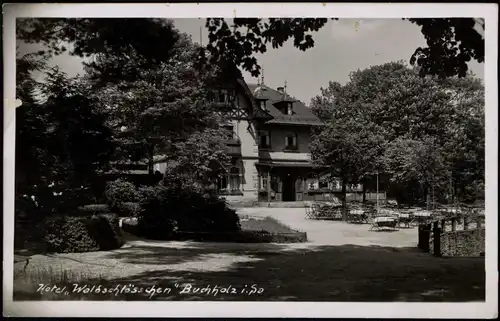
(357, 216)
(384, 221)
(422, 217)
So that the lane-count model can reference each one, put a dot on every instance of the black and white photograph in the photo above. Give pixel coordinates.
(296, 154)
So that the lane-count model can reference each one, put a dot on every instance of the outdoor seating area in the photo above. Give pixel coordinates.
(389, 216)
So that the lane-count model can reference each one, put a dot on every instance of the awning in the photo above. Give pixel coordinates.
(288, 164)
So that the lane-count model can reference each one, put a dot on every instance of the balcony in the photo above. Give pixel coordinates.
(233, 143)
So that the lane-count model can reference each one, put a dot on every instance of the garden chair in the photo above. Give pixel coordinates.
(312, 210)
(308, 208)
(405, 219)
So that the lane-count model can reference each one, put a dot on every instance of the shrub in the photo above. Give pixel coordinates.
(95, 208)
(82, 234)
(118, 192)
(128, 209)
(167, 210)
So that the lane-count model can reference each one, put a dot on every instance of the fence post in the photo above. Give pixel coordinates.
(424, 236)
(437, 239)
(453, 224)
(478, 223)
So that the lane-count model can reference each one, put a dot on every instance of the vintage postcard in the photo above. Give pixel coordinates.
(251, 160)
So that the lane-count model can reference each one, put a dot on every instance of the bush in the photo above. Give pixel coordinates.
(95, 208)
(168, 210)
(119, 192)
(128, 209)
(69, 234)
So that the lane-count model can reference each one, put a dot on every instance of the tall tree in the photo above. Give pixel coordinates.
(323, 105)
(350, 148)
(419, 162)
(61, 143)
(159, 107)
(430, 131)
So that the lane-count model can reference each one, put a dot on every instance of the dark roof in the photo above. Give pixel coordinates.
(257, 112)
(288, 164)
(302, 115)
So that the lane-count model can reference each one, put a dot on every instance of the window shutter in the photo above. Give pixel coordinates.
(294, 141)
(267, 140)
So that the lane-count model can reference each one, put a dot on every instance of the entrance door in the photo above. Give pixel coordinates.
(288, 187)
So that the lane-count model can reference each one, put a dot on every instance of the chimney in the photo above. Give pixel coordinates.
(281, 89)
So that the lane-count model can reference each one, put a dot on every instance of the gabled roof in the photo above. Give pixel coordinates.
(302, 115)
(256, 110)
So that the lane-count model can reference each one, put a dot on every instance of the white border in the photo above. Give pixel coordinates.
(488, 309)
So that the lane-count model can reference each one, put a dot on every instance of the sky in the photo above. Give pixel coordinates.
(341, 47)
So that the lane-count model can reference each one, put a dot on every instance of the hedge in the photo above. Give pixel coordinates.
(170, 210)
(68, 234)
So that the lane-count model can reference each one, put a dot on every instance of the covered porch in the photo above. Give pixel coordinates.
(285, 181)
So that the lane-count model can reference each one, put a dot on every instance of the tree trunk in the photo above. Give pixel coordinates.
(364, 190)
(151, 154)
(427, 197)
(344, 199)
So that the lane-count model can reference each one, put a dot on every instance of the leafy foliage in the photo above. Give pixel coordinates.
(118, 37)
(158, 110)
(427, 133)
(198, 160)
(51, 131)
(251, 35)
(167, 210)
(69, 234)
(118, 192)
(451, 43)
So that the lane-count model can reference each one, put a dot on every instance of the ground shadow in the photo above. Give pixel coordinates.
(299, 273)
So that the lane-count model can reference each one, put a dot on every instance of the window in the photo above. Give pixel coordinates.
(289, 109)
(229, 130)
(323, 184)
(312, 184)
(230, 182)
(234, 179)
(223, 96)
(263, 184)
(263, 104)
(222, 183)
(264, 139)
(291, 142)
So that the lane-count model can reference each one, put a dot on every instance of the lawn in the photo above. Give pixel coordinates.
(267, 224)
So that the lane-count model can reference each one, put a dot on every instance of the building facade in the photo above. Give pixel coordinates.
(269, 137)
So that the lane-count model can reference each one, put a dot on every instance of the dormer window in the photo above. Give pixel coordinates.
(291, 142)
(264, 139)
(289, 110)
(263, 104)
(223, 95)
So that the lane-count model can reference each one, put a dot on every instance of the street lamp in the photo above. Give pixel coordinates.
(377, 192)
